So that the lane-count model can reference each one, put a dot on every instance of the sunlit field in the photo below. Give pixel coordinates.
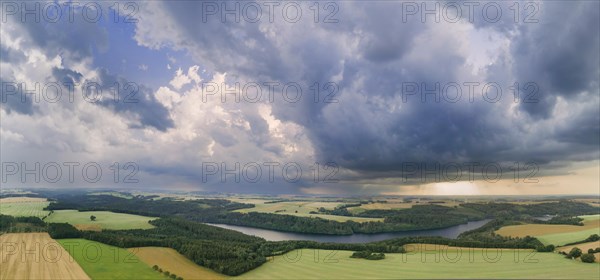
(101, 261)
(23, 206)
(45, 258)
(104, 220)
(450, 263)
(555, 234)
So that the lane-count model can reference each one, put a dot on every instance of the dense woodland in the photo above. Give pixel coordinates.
(21, 224)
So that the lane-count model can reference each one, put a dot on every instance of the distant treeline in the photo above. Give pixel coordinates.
(419, 217)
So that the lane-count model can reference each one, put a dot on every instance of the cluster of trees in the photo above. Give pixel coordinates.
(198, 209)
(368, 255)
(562, 220)
(577, 253)
(167, 273)
(21, 224)
(563, 208)
(63, 230)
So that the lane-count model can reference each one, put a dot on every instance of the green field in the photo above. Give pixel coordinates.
(560, 239)
(338, 265)
(104, 220)
(20, 209)
(570, 237)
(303, 209)
(102, 261)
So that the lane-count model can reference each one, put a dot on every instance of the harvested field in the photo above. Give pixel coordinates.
(170, 260)
(45, 259)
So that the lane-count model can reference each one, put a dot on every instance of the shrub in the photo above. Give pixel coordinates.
(368, 255)
(361, 254)
(588, 258)
(591, 251)
(166, 273)
(549, 248)
(155, 267)
(574, 253)
(173, 276)
(376, 256)
(598, 250)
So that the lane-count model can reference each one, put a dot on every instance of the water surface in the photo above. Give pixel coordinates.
(273, 235)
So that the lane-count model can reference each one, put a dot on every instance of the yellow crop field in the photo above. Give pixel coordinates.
(36, 256)
(170, 260)
(555, 234)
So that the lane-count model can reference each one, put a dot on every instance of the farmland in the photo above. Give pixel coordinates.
(301, 209)
(102, 261)
(23, 206)
(170, 260)
(584, 248)
(555, 234)
(453, 263)
(48, 261)
(104, 220)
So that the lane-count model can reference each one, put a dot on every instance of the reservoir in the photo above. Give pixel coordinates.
(273, 235)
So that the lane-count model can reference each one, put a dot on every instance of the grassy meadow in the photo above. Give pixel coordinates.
(451, 263)
(101, 261)
(104, 220)
(23, 206)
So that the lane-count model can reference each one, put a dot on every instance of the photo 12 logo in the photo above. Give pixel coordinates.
(254, 172)
(54, 92)
(69, 11)
(52, 252)
(269, 92)
(54, 172)
(490, 172)
(473, 11)
(454, 92)
(268, 11)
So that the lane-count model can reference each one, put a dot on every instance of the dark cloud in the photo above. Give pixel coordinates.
(135, 99)
(72, 37)
(371, 51)
(561, 53)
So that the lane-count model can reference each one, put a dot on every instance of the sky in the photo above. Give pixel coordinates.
(349, 97)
